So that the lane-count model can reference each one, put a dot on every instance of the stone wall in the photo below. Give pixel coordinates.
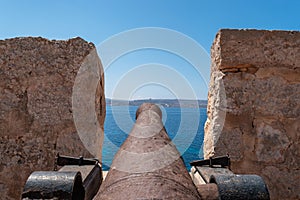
(37, 81)
(254, 106)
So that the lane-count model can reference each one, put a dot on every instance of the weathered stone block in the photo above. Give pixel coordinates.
(37, 79)
(253, 106)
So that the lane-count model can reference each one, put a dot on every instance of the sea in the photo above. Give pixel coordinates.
(185, 127)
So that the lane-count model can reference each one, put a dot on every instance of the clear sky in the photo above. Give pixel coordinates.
(97, 20)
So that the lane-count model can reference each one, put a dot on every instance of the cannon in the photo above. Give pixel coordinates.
(147, 166)
(215, 181)
(78, 179)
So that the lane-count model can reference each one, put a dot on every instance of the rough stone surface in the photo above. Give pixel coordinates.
(36, 114)
(254, 106)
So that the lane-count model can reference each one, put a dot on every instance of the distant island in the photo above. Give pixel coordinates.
(185, 103)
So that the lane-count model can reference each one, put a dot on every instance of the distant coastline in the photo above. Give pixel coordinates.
(184, 103)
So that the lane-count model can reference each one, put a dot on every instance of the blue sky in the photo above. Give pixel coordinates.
(96, 21)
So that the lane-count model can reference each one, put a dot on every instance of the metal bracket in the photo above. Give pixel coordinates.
(223, 161)
(67, 160)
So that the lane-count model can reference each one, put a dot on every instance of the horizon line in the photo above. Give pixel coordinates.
(154, 99)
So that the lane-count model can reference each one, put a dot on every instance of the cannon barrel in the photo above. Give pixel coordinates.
(148, 165)
(54, 185)
(79, 178)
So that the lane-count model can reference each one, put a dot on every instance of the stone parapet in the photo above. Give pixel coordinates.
(253, 106)
(37, 79)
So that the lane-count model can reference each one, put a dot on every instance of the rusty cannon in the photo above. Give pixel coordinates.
(147, 166)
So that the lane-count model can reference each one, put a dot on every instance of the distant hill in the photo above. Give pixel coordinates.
(164, 102)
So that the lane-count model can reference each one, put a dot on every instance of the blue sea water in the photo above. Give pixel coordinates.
(185, 126)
